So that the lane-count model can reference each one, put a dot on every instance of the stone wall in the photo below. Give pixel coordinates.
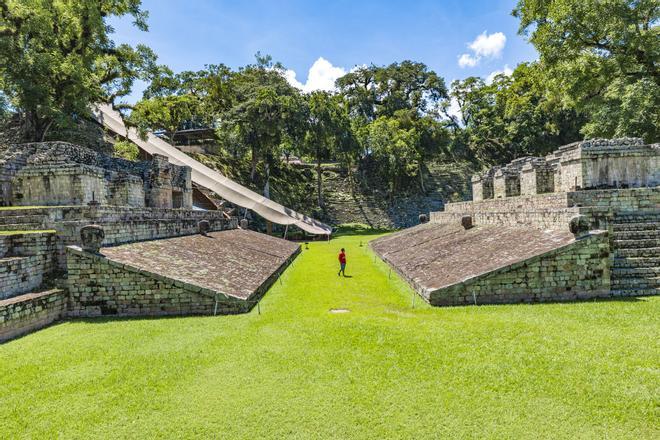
(62, 185)
(26, 313)
(543, 219)
(533, 202)
(25, 259)
(58, 173)
(592, 164)
(121, 224)
(99, 287)
(536, 178)
(553, 210)
(579, 270)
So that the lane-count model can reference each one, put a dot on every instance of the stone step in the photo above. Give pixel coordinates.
(638, 252)
(635, 226)
(636, 235)
(638, 244)
(22, 212)
(21, 227)
(635, 292)
(635, 283)
(20, 219)
(636, 272)
(637, 262)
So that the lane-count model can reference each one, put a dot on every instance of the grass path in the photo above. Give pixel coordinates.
(383, 370)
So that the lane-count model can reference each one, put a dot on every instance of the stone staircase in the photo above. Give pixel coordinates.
(636, 246)
(29, 219)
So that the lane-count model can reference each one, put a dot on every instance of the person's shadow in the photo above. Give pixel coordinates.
(348, 276)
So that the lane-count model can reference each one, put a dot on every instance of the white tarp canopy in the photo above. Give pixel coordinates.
(209, 178)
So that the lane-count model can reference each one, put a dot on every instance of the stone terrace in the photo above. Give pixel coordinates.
(235, 262)
(434, 256)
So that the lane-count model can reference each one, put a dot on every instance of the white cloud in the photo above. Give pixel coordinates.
(467, 60)
(321, 76)
(484, 46)
(506, 70)
(489, 46)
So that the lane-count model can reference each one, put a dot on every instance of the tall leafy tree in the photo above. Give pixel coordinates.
(263, 109)
(603, 57)
(167, 114)
(57, 57)
(323, 133)
(513, 116)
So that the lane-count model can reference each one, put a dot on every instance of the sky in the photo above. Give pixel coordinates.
(318, 41)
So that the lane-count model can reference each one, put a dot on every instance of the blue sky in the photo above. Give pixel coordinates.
(186, 35)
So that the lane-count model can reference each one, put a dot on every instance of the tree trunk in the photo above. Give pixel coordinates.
(35, 128)
(319, 179)
(253, 171)
(421, 176)
(267, 185)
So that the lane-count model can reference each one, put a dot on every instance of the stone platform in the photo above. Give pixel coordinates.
(450, 265)
(224, 272)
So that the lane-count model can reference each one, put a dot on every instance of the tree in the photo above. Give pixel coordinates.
(393, 146)
(603, 59)
(323, 132)
(167, 114)
(514, 116)
(263, 108)
(373, 91)
(57, 57)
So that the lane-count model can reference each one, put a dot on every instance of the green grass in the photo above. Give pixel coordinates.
(384, 370)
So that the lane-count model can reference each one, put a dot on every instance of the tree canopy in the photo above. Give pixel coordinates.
(57, 57)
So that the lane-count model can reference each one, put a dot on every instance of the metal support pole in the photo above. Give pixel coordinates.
(215, 309)
(474, 296)
(286, 229)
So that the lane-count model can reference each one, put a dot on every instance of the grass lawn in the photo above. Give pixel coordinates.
(382, 370)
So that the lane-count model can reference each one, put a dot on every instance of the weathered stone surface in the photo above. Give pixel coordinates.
(448, 264)
(58, 173)
(233, 262)
(91, 237)
(204, 227)
(26, 313)
(579, 225)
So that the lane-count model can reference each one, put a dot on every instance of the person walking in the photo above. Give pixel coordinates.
(342, 263)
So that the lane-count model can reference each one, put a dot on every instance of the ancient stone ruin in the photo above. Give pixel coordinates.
(85, 235)
(57, 173)
(579, 223)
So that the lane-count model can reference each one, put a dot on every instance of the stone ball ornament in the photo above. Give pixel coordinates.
(204, 227)
(91, 237)
(579, 225)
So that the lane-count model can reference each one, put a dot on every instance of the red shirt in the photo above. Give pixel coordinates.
(342, 258)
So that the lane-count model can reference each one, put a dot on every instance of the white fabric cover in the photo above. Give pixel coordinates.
(208, 178)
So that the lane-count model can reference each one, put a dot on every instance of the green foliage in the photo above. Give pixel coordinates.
(384, 370)
(514, 116)
(374, 91)
(602, 57)
(166, 114)
(57, 57)
(126, 150)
